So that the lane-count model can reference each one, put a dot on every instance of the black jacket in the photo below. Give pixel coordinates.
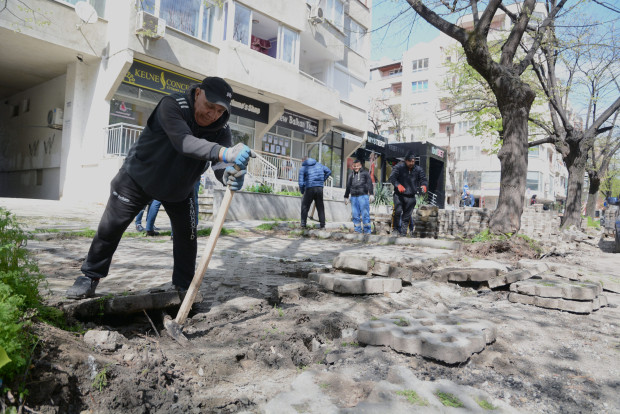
(358, 184)
(173, 150)
(412, 179)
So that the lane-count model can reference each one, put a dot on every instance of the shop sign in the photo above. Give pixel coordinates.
(250, 108)
(349, 136)
(298, 122)
(154, 78)
(437, 151)
(375, 142)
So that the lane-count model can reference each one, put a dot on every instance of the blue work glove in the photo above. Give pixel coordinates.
(240, 154)
(234, 178)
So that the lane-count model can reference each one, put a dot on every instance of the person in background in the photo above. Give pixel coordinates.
(408, 180)
(184, 134)
(359, 186)
(152, 209)
(312, 176)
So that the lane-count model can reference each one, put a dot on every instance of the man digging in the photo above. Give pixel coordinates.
(184, 134)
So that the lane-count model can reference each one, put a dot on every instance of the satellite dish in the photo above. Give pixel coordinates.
(86, 12)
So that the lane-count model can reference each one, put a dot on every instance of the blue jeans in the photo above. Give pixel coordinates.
(360, 212)
(152, 215)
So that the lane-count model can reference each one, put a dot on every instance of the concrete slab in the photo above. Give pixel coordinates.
(536, 266)
(511, 277)
(356, 284)
(557, 288)
(442, 337)
(472, 274)
(404, 241)
(406, 269)
(574, 306)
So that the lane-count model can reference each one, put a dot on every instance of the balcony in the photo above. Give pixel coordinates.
(120, 137)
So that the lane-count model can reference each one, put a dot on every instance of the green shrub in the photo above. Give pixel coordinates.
(20, 300)
(382, 196)
(260, 188)
(289, 193)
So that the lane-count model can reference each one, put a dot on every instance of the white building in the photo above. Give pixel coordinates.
(413, 89)
(77, 86)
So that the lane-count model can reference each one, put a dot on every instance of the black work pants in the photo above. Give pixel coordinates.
(313, 194)
(403, 208)
(126, 200)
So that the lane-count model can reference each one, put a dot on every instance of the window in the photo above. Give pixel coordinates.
(533, 152)
(241, 27)
(331, 155)
(351, 89)
(419, 106)
(98, 5)
(386, 93)
(193, 17)
(419, 86)
(420, 64)
(468, 152)
(287, 50)
(533, 180)
(355, 36)
(491, 177)
(464, 126)
(334, 12)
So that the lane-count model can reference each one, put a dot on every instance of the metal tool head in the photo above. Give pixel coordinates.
(175, 330)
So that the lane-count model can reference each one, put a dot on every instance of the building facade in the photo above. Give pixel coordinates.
(80, 80)
(408, 103)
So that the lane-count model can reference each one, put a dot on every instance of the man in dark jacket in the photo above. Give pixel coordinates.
(312, 176)
(183, 135)
(359, 186)
(408, 180)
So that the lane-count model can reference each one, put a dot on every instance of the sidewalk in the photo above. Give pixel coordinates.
(39, 215)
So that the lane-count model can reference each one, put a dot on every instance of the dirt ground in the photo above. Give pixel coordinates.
(246, 346)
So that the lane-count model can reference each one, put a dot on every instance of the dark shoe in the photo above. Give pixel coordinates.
(84, 287)
(152, 233)
(155, 228)
(139, 228)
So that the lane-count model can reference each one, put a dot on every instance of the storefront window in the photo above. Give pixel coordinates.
(331, 155)
(242, 130)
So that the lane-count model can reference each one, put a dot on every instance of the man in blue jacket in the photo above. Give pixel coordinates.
(408, 180)
(312, 176)
(184, 134)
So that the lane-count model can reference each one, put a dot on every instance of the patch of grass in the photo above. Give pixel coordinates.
(485, 405)
(259, 188)
(84, 233)
(412, 397)
(449, 400)
(324, 385)
(267, 226)
(207, 232)
(352, 344)
(374, 318)
(295, 233)
(533, 244)
(101, 379)
(279, 310)
(593, 223)
(401, 322)
(289, 193)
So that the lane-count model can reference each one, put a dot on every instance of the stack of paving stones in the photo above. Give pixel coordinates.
(464, 221)
(566, 295)
(401, 266)
(382, 223)
(359, 278)
(490, 277)
(442, 337)
(425, 220)
(538, 223)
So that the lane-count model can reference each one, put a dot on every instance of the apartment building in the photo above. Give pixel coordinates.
(408, 104)
(78, 81)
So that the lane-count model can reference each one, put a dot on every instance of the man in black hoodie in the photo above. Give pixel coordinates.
(183, 135)
(408, 180)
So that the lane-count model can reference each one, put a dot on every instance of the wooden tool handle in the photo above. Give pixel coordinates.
(188, 301)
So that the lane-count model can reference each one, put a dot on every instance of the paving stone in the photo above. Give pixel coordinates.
(443, 337)
(535, 265)
(564, 289)
(575, 306)
(454, 274)
(309, 392)
(404, 267)
(510, 277)
(356, 284)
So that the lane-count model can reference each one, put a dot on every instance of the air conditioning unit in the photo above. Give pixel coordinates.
(54, 118)
(149, 25)
(316, 15)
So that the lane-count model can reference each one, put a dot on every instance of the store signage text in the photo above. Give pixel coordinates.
(250, 108)
(154, 78)
(437, 151)
(298, 122)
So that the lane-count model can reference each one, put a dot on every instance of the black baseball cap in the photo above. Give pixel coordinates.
(217, 91)
(410, 156)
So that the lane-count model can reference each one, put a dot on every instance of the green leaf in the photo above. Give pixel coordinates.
(4, 358)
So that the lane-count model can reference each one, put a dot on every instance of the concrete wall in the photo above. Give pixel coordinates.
(257, 206)
(30, 151)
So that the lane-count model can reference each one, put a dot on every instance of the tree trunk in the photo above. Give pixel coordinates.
(576, 164)
(514, 99)
(595, 186)
(452, 175)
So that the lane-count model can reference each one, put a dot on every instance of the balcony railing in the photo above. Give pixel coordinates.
(121, 137)
(286, 168)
